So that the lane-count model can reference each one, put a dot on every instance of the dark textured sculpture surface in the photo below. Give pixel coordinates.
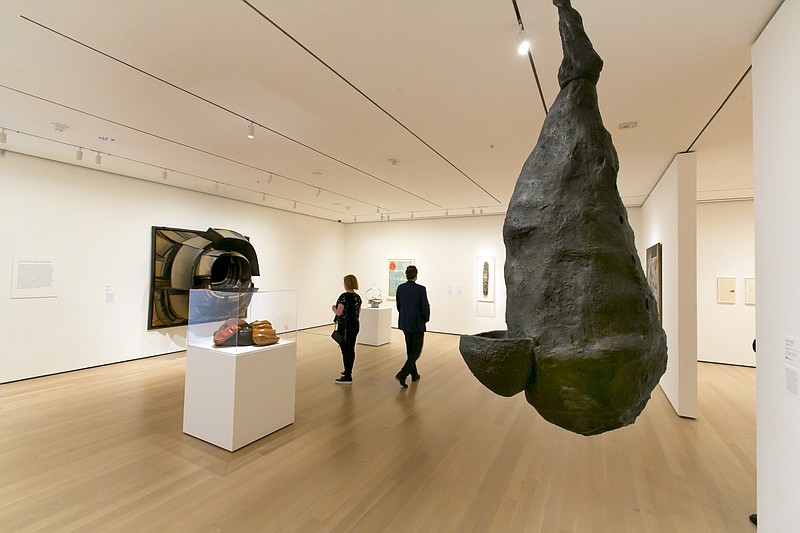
(584, 339)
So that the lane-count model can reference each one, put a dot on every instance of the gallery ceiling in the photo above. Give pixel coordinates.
(359, 109)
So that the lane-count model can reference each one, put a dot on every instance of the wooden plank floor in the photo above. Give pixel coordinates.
(102, 450)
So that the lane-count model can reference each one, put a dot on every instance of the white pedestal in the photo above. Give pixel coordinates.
(235, 396)
(376, 325)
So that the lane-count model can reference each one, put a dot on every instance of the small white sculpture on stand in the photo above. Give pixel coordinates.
(374, 301)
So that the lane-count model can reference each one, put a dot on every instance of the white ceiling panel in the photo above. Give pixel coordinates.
(360, 109)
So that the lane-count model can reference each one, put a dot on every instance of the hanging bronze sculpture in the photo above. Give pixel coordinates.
(584, 339)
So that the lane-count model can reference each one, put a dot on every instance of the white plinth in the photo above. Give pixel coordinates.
(235, 396)
(376, 326)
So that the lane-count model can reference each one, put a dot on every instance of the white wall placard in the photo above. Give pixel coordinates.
(750, 291)
(485, 309)
(791, 349)
(33, 277)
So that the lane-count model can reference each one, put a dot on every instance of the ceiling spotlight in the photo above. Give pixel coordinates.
(523, 43)
(251, 131)
(319, 191)
(473, 210)
(79, 154)
(97, 158)
(216, 186)
(388, 217)
(163, 173)
(412, 214)
(481, 210)
(269, 180)
(295, 205)
(58, 126)
(447, 212)
(2, 136)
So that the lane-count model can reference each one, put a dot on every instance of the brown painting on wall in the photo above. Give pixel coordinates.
(653, 260)
(185, 259)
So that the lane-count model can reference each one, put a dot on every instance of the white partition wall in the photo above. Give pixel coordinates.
(725, 248)
(669, 217)
(776, 138)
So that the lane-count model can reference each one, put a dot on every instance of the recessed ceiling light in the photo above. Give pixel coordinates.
(318, 172)
(523, 43)
(58, 126)
(106, 138)
(628, 125)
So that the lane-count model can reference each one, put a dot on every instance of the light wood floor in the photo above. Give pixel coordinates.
(102, 450)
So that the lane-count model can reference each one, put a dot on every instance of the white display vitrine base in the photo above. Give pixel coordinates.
(235, 396)
(375, 326)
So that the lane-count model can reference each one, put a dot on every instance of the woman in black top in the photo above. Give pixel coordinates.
(347, 309)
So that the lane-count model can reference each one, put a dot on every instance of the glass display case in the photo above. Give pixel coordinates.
(241, 321)
(241, 365)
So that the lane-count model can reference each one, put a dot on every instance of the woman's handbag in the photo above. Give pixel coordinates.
(339, 332)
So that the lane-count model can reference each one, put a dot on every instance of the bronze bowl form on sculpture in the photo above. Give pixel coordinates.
(584, 340)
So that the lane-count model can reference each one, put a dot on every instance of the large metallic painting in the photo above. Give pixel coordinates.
(583, 340)
(183, 259)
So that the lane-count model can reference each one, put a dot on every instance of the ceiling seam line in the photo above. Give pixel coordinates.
(725, 101)
(530, 58)
(223, 108)
(689, 150)
(184, 145)
(211, 180)
(373, 102)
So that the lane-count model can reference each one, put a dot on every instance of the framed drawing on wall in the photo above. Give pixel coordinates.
(726, 290)
(485, 278)
(653, 260)
(397, 274)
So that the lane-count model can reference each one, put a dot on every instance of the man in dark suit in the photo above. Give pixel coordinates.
(414, 311)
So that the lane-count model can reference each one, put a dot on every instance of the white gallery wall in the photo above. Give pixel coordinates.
(725, 248)
(96, 227)
(776, 160)
(669, 217)
(446, 252)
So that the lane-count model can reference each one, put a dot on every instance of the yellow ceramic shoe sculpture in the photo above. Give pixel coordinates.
(263, 333)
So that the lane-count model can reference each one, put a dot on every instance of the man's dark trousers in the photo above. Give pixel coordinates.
(414, 341)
